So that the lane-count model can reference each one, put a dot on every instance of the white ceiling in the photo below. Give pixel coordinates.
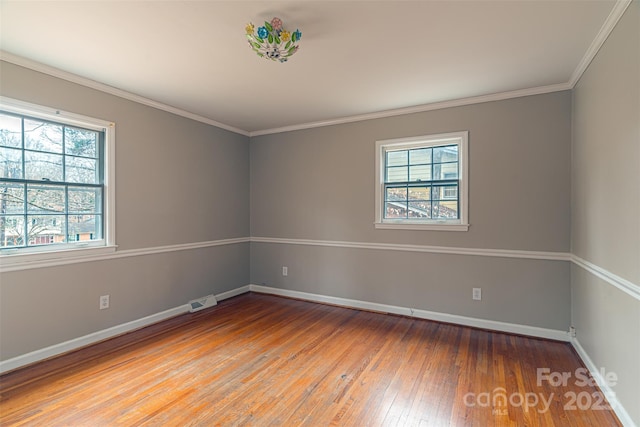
(355, 58)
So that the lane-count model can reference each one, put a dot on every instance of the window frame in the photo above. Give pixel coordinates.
(461, 139)
(29, 254)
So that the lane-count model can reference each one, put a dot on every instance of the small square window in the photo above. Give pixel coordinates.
(421, 182)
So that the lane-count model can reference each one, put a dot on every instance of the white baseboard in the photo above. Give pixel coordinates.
(233, 293)
(421, 314)
(622, 414)
(54, 350)
(76, 343)
(57, 349)
(617, 407)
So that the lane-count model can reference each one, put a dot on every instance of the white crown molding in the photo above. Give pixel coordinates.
(419, 108)
(7, 264)
(609, 24)
(608, 392)
(74, 78)
(623, 284)
(501, 253)
(614, 16)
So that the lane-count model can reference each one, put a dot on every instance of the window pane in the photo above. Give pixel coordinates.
(42, 166)
(45, 229)
(84, 227)
(397, 158)
(439, 192)
(80, 169)
(43, 198)
(448, 153)
(435, 188)
(10, 163)
(445, 210)
(42, 136)
(10, 131)
(395, 210)
(419, 193)
(420, 156)
(448, 171)
(397, 174)
(81, 142)
(51, 182)
(396, 193)
(450, 193)
(84, 200)
(11, 198)
(420, 173)
(420, 210)
(11, 231)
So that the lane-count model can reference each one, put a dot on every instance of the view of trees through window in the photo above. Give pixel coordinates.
(51, 182)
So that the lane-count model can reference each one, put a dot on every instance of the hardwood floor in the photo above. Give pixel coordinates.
(265, 360)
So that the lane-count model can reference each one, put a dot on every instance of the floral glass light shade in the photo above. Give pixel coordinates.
(272, 41)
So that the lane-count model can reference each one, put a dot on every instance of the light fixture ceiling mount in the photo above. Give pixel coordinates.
(272, 41)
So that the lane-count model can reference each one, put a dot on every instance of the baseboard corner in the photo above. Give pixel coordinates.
(609, 394)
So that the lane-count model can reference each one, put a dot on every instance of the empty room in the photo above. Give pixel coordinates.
(358, 213)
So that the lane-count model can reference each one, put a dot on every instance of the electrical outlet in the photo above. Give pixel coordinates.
(477, 294)
(285, 271)
(104, 302)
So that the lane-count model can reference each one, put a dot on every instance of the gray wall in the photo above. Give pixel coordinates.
(319, 184)
(606, 206)
(177, 181)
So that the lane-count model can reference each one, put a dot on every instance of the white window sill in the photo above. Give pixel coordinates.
(11, 260)
(432, 226)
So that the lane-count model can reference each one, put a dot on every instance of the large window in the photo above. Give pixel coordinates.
(56, 188)
(421, 182)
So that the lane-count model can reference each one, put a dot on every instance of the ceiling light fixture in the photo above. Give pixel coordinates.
(272, 41)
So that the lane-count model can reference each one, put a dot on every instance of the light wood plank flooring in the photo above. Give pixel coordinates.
(264, 360)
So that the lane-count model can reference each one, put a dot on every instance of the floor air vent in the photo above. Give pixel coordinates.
(202, 303)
